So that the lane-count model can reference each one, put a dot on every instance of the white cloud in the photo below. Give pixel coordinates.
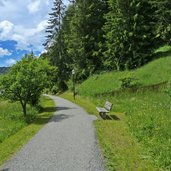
(6, 28)
(10, 62)
(42, 25)
(4, 52)
(34, 6)
(24, 22)
(26, 38)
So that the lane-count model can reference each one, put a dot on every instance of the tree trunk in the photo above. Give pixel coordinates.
(24, 108)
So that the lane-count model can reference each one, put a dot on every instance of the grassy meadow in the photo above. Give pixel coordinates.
(15, 131)
(11, 118)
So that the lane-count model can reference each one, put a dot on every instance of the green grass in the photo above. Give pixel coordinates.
(147, 117)
(120, 149)
(149, 120)
(165, 48)
(11, 118)
(141, 139)
(14, 129)
(155, 72)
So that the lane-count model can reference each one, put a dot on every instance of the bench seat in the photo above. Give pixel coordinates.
(102, 110)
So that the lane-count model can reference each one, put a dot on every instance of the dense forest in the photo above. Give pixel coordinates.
(103, 35)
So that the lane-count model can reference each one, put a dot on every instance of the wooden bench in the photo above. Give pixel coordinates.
(106, 109)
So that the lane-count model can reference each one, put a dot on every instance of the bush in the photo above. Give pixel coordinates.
(31, 115)
(129, 82)
(55, 89)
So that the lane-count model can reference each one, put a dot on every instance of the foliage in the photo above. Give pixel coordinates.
(74, 45)
(26, 80)
(83, 44)
(55, 44)
(130, 34)
(128, 82)
(55, 21)
(163, 17)
(91, 36)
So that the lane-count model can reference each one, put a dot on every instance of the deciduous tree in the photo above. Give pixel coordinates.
(25, 81)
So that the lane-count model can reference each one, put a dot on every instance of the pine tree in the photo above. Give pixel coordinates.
(130, 35)
(55, 44)
(86, 35)
(163, 18)
(55, 21)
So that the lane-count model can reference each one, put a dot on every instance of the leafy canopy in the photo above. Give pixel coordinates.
(26, 80)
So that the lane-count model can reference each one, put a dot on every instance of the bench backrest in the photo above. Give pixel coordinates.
(108, 105)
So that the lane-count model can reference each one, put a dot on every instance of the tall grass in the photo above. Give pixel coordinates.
(16, 132)
(12, 119)
(149, 118)
(153, 73)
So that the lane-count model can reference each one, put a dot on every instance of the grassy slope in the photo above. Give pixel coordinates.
(141, 136)
(153, 73)
(14, 142)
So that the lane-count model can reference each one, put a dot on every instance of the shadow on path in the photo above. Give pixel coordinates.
(5, 169)
(55, 118)
(60, 117)
(54, 109)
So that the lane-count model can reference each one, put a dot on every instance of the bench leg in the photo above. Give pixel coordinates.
(103, 115)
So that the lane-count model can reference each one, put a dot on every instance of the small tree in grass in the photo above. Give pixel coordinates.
(26, 80)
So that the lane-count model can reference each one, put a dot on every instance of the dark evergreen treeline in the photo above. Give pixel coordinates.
(91, 36)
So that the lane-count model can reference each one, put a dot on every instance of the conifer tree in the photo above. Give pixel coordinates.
(85, 36)
(163, 18)
(55, 45)
(130, 34)
(55, 21)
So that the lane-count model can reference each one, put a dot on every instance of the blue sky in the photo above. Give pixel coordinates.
(22, 28)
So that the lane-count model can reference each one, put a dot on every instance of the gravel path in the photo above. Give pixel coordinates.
(66, 143)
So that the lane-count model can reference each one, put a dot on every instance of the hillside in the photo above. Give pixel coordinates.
(155, 72)
(144, 118)
(3, 70)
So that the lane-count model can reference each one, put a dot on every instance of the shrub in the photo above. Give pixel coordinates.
(128, 82)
